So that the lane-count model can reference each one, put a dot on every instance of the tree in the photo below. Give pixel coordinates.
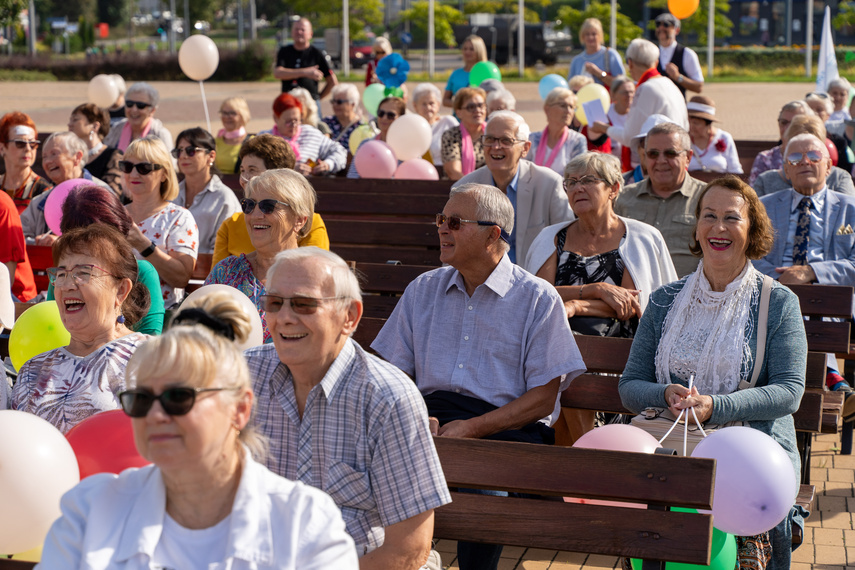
(445, 17)
(626, 30)
(10, 10)
(845, 18)
(328, 14)
(697, 22)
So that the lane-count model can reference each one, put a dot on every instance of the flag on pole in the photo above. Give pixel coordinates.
(826, 70)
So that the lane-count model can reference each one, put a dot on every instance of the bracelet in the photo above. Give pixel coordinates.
(582, 288)
(680, 79)
(149, 250)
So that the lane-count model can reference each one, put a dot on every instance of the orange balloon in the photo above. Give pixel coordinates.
(682, 9)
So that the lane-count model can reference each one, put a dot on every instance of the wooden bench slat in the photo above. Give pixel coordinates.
(332, 205)
(388, 278)
(809, 415)
(593, 392)
(824, 300)
(823, 336)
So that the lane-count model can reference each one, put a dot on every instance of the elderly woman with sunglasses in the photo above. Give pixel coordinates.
(346, 116)
(19, 143)
(388, 110)
(278, 208)
(99, 297)
(234, 114)
(462, 150)
(202, 192)
(141, 102)
(206, 501)
(163, 233)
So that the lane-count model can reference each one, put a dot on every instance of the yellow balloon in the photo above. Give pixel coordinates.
(32, 555)
(591, 92)
(358, 135)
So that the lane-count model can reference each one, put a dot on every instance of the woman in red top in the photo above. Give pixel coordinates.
(13, 251)
(18, 145)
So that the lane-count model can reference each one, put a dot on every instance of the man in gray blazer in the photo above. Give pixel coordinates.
(537, 193)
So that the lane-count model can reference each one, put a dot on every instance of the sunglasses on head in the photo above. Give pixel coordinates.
(812, 156)
(144, 168)
(188, 150)
(21, 144)
(176, 401)
(300, 305)
(267, 206)
(138, 104)
(391, 114)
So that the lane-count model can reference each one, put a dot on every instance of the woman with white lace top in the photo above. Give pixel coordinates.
(705, 326)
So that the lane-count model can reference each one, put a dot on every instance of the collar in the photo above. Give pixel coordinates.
(646, 188)
(512, 185)
(500, 280)
(335, 373)
(667, 51)
(649, 74)
(817, 201)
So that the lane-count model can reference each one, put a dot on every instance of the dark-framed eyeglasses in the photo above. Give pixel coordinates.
(340, 101)
(80, 274)
(267, 206)
(669, 154)
(473, 107)
(144, 168)
(21, 144)
(664, 25)
(138, 104)
(584, 181)
(176, 401)
(190, 151)
(300, 305)
(499, 142)
(812, 156)
(392, 115)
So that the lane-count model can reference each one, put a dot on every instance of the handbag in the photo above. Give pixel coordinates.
(674, 433)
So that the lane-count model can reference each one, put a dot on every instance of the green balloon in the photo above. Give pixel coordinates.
(722, 552)
(393, 92)
(482, 71)
(372, 96)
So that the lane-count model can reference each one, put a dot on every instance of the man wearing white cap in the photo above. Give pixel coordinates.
(676, 61)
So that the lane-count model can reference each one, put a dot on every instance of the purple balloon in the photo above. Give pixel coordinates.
(375, 159)
(755, 482)
(54, 201)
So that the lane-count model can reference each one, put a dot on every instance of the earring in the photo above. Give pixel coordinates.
(92, 135)
(120, 319)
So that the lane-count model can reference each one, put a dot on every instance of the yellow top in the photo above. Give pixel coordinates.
(233, 237)
(227, 156)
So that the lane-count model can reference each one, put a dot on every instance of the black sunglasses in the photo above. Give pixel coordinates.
(300, 305)
(21, 144)
(144, 168)
(137, 104)
(664, 24)
(455, 221)
(267, 206)
(390, 114)
(190, 151)
(174, 401)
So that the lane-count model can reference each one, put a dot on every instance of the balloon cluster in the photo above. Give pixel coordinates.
(408, 139)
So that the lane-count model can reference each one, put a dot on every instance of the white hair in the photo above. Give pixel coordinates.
(823, 99)
(423, 89)
(840, 83)
(491, 205)
(70, 143)
(643, 52)
(309, 105)
(521, 128)
(503, 95)
(345, 283)
(807, 137)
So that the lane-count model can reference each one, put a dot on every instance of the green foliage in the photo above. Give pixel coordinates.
(697, 22)
(626, 29)
(113, 12)
(531, 12)
(845, 17)
(328, 14)
(445, 17)
(9, 11)
(86, 32)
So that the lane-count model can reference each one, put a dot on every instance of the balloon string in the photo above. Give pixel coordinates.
(205, 105)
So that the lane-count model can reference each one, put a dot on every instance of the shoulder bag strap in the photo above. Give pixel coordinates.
(762, 325)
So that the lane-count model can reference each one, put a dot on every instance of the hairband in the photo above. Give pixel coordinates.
(202, 317)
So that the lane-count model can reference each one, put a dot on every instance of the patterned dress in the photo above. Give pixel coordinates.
(236, 271)
(172, 229)
(65, 389)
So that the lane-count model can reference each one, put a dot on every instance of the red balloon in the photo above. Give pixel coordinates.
(832, 151)
(104, 443)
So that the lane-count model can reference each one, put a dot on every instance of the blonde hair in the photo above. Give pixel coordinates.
(595, 24)
(152, 149)
(240, 105)
(578, 81)
(309, 105)
(288, 186)
(478, 45)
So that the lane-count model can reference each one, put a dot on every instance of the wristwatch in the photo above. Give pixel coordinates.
(149, 250)
(603, 74)
(680, 79)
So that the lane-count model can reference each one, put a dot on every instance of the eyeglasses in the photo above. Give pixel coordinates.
(228, 113)
(138, 104)
(340, 101)
(21, 144)
(669, 154)
(144, 168)
(300, 305)
(585, 181)
(812, 156)
(267, 206)
(391, 114)
(472, 107)
(455, 221)
(176, 401)
(564, 106)
(80, 274)
(504, 142)
(188, 150)
(664, 25)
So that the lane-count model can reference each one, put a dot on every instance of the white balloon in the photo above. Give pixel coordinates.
(37, 467)
(198, 57)
(409, 136)
(103, 91)
(256, 336)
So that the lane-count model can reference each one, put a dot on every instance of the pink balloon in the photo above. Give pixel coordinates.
(618, 437)
(54, 201)
(416, 169)
(755, 482)
(375, 159)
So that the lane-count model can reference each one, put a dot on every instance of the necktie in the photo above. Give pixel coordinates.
(802, 237)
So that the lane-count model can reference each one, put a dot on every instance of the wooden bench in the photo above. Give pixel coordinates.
(659, 481)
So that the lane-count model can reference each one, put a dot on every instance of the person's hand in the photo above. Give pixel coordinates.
(680, 398)
(570, 308)
(45, 239)
(433, 425)
(458, 428)
(314, 73)
(624, 302)
(321, 168)
(303, 168)
(796, 275)
(599, 127)
(593, 69)
(137, 239)
(672, 71)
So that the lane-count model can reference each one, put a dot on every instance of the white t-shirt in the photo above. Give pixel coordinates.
(690, 61)
(182, 548)
(172, 229)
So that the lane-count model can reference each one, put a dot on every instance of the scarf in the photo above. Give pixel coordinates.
(541, 148)
(649, 74)
(706, 333)
(467, 149)
(125, 139)
(292, 141)
(232, 135)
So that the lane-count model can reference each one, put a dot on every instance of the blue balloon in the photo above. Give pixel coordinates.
(550, 82)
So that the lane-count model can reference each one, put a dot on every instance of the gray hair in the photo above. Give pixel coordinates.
(840, 83)
(345, 91)
(287, 186)
(70, 143)
(423, 89)
(503, 95)
(798, 107)
(807, 137)
(490, 85)
(822, 98)
(618, 82)
(643, 52)
(491, 205)
(309, 106)
(143, 87)
(670, 129)
(605, 166)
(521, 128)
(345, 283)
(559, 94)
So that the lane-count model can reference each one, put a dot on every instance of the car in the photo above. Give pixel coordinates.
(361, 52)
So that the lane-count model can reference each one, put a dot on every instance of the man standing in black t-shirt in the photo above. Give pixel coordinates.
(303, 65)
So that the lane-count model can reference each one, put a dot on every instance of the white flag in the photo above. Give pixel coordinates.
(826, 70)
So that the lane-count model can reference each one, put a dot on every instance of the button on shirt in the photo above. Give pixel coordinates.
(818, 215)
(510, 336)
(511, 193)
(363, 438)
